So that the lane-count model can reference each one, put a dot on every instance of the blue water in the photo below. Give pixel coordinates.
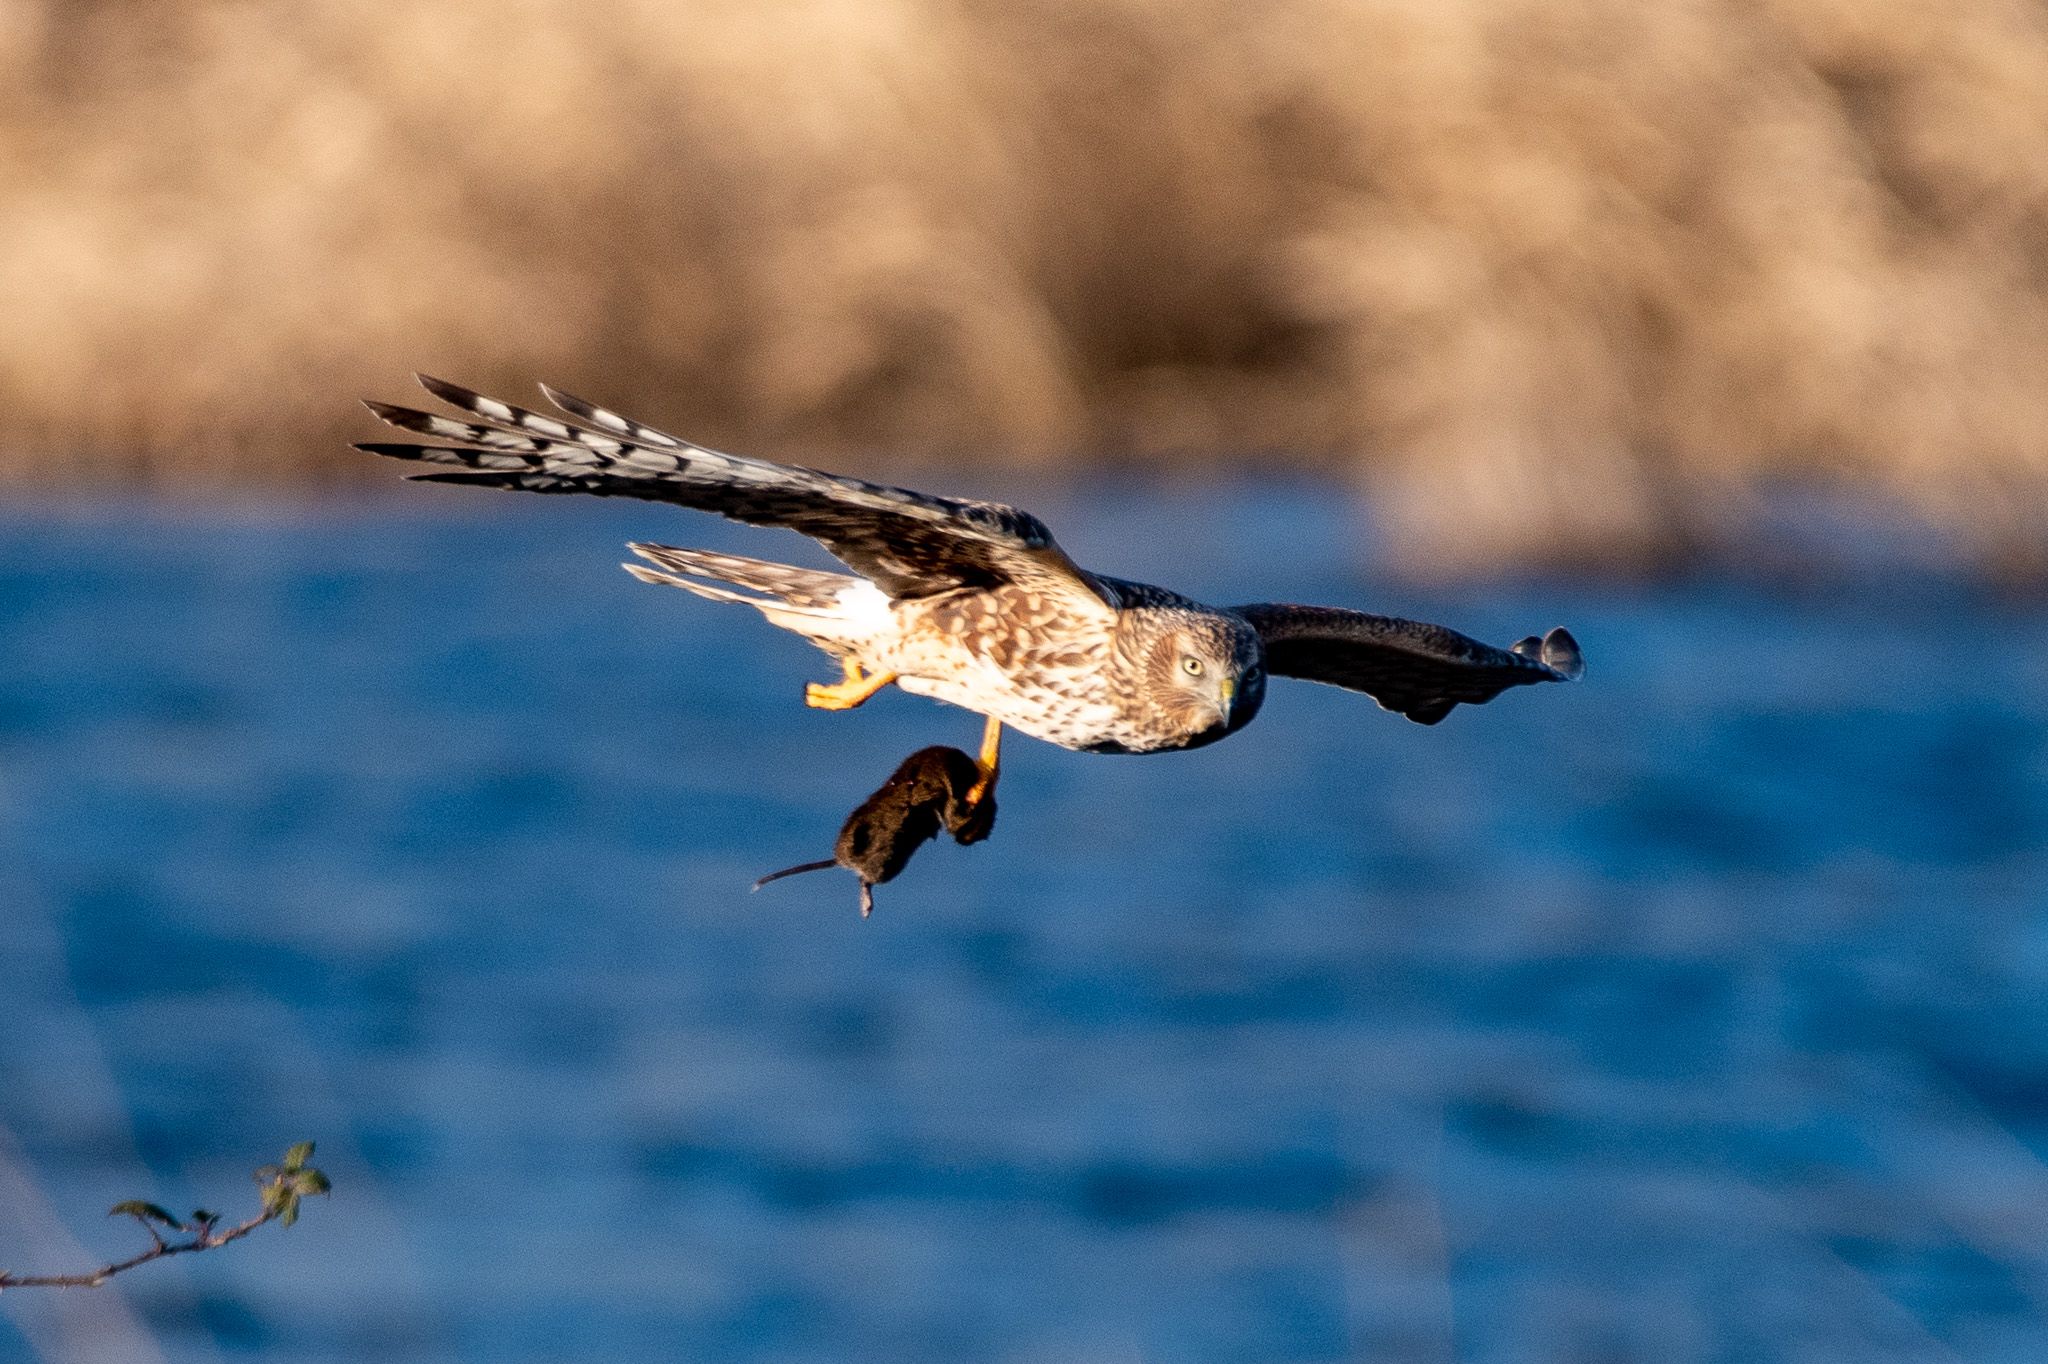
(1695, 1013)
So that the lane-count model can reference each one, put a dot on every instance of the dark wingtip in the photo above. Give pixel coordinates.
(587, 412)
(389, 449)
(453, 394)
(1561, 652)
(1557, 651)
(568, 402)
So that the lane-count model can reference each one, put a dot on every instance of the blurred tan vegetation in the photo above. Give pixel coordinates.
(1561, 279)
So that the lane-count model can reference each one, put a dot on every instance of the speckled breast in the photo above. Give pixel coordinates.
(1016, 654)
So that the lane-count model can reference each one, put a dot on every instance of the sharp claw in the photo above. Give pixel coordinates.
(857, 688)
(976, 821)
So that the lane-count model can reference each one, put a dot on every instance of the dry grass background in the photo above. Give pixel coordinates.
(1563, 279)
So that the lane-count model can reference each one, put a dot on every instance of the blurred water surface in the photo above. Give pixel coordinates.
(1699, 1012)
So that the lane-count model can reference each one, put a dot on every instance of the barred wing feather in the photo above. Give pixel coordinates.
(909, 544)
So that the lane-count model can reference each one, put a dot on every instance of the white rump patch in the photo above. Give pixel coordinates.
(865, 609)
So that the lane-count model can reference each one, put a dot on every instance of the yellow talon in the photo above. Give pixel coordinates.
(858, 687)
(991, 762)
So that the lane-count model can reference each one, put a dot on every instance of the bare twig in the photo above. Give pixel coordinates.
(283, 1185)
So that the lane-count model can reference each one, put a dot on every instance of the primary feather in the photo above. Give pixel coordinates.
(910, 544)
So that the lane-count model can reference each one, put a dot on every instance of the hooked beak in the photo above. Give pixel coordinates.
(1226, 700)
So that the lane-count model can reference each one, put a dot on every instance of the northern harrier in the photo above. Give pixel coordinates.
(971, 602)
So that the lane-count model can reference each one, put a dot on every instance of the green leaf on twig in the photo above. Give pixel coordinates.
(145, 1213)
(284, 1185)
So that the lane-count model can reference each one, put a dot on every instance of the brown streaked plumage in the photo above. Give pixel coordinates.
(973, 603)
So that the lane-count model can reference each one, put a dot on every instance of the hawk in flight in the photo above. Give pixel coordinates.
(969, 602)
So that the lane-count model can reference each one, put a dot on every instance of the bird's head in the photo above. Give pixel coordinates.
(1205, 675)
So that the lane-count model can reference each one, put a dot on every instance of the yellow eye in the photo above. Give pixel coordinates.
(1191, 666)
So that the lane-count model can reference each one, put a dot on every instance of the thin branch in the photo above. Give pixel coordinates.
(161, 1250)
(282, 1185)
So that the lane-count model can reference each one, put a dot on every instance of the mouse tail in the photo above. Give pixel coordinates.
(792, 871)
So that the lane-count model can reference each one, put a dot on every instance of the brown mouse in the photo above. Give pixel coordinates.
(927, 791)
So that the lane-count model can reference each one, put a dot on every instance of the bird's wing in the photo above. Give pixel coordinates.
(1417, 669)
(909, 544)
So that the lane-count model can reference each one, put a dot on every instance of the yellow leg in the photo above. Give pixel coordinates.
(858, 687)
(991, 762)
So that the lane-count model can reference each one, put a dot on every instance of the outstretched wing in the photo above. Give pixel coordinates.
(909, 544)
(1419, 670)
